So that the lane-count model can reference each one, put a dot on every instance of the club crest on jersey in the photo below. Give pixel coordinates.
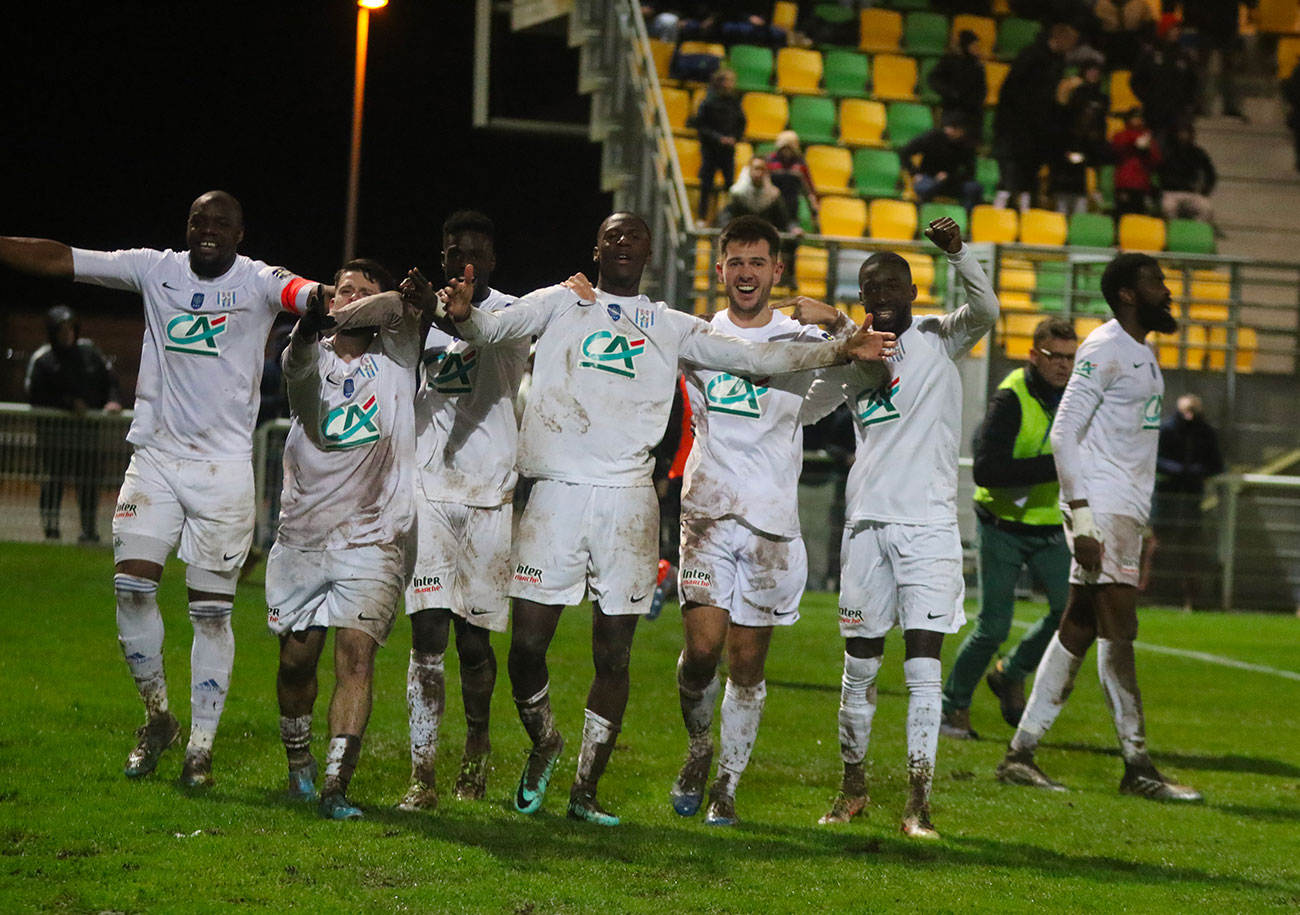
(349, 388)
(195, 334)
(451, 372)
(615, 311)
(226, 299)
(606, 351)
(643, 318)
(875, 407)
(351, 425)
(735, 396)
(197, 301)
(1151, 411)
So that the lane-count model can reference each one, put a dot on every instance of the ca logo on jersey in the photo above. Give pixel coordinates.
(195, 334)
(452, 373)
(875, 407)
(607, 351)
(736, 396)
(1085, 368)
(1151, 411)
(351, 425)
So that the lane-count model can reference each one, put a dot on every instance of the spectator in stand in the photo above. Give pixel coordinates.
(1187, 178)
(1084, 143)
(1026, 127)
(790, 173)
(1188, 455)
(730, 22)
(754, 194)
(1137, 154)
(1291, 95)
(1218, 34)
(1165, 80)
(1124, 26)
(959, 80)
(70, 373)
(946, 167)
(720, 122)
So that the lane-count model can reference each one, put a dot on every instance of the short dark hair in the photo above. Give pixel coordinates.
(891, 258)
(1054, 329)
(468, 221)
(637, 216)
(749, 229)
(1122, 273)
(371, 270)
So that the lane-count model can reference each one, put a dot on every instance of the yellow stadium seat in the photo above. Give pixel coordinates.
(983, 26)
(1121, 93)
(1113, 126)
(1276, 16)
(677, 103)
(662, 54)
(1247, 347)
(1042, 227)
(784, 14)
(1018, 334)
(1016, 282)
(1141, 233)
(846, 216)
(862, 122)
(1086, 325)
(688, 156)
(988, 223)
(765, 114)
(744, 152)
(995, 74)
(712, 48)
(1210, 294)
(1288, 52)
(880, 30)
(704, 261)
(894, 220)
(893, 77)
(1167, 350)
(810, 271)
(831, 167)
(922, 277)
(799, 70)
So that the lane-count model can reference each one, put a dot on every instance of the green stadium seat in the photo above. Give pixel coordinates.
(1088, 299)
(934, 210)
(1049, 285)
(923, 90)
(813, 118)
(1091, 230)
(876, 172)
(833, 13)
(1191, 237)
(905, 120)
(1014, 35)
(846, 74)
(1106, 185)
(925, 33)
(907, 4)
(806, 220)
(987, 174)
(752, 66)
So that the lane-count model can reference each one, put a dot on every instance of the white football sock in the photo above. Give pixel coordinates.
(1118, 674)
(140, 632)
(857, 706)
(425, 699)
(598, 736)
(535, 714)
(212, 657)
(924, 677)
(742, 709)
(1053, 682)
(697, 710)
(295, 734)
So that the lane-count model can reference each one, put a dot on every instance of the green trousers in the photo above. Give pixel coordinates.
(1001, 556)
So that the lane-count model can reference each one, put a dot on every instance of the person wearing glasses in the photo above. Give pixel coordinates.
(1019, 525)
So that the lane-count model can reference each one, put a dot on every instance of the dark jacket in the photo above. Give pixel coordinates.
(718, 116)
(959, 80)
(1187, 167)
(1164, 80)
(995, 441)
(1188, 453)
(1026, 120)
(60, 377)
(939, 153)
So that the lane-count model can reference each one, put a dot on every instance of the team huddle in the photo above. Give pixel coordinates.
(404, 452)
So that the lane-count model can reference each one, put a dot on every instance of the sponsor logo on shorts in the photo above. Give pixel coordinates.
(875, 407)
(273, 614)
(351, 425)
(125, 510)
(696, 578)
(1151, 412)
(606, 351)
(528, 574)
(736, 396)
(477, 611)
(195, 334)
(427, 584)
(849, 617)
(451, 372)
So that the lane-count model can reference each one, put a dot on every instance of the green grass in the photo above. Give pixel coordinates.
(76, 836)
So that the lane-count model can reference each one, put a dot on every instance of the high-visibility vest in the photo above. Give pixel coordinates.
(1038, 504)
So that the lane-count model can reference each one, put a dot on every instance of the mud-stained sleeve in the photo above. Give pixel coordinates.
(384, 310)
(525, 319)
(1083, 395)
(830, 388)
(302, 380)
(705, 347)
(963, 328)
(401, 340)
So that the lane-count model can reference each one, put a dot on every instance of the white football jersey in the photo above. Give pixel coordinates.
(204, 345)
(604, 373)
(349, 459)
(909, 431)
(1107, 428)
(465, 426)
(748, 448)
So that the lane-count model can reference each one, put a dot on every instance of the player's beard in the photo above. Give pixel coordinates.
(1156, 317)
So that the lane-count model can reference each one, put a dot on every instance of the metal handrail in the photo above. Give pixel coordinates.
(1230, 487)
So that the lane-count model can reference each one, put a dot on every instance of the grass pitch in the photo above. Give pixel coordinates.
(79, 837)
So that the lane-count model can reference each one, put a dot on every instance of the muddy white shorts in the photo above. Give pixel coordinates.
(906, 575)
(757, 578)
(356, 588)
(1121, 555)
(576, 538)
(205, 506)
(462, 562)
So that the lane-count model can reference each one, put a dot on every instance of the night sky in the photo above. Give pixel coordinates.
(118, 115)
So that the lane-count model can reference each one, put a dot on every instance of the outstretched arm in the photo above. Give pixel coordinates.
(37, 256)
(963, 328)
(523, 320)
(705, 347)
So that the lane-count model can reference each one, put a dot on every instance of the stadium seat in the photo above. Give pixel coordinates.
(688, 156)
(1090, 230)
(1121, 92)
(1141, 233)
(810, 271)
(894, 220)
(876, 172)
(923, 275)
(1106, 185)
(1247, 347)
(799, 70)
(785, 13)
(1014, 35)
(1018, 334)
(1016, 283)
(813, 118)
(765, 114)
(1049, 285)
(879, 30)
(807, 221)
(893, 78)
(907, 4)
(983, 26)
(846, 74)
(923, 90)
(1288, 52)
(846, 216)
(925, 33)
(744, 152)
(1276, 17)
(905, 120)
(1042, 227)
(862, 122)
(1210, 296)
(1191, 236)
(931, 211)
(995, 74)
(752, 66)
(704, 272)
(661, 52)
(677, 103)
(699, 49)
(988, 223)
(831, 168)
(986, 173)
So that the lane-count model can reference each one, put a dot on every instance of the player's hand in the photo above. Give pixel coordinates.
(417, 292)
(580, 286)
(867, 344)
(1089, 548)
(810, 311)
(315, 318)
(945, 233)
(457, 296)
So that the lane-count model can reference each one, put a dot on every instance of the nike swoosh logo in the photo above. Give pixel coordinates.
(170, 286)
(1138, 365)
(476, 612)
(368, 619)
(934, 616)
(786, 613)
(637, 600)
(230, 556)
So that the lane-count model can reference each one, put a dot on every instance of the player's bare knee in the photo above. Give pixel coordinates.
(611, 659)
(474, 646)
(864, 648)
(922, 643)
(140, 568)
(430, 630)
